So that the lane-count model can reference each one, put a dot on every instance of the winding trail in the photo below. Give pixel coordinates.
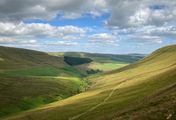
(92, 108)
(111, 93)
(101, 103)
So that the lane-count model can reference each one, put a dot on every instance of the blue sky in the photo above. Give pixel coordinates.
(86, 20)
(100, 26)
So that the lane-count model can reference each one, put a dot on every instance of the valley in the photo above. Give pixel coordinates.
(30, 79)
(131, 92)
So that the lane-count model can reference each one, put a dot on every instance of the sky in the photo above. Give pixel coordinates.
(98, 26)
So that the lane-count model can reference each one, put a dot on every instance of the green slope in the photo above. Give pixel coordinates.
(141, 91)
(100, 62)
(13, 58)
(29, 79)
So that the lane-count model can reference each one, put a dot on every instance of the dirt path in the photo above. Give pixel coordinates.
(111, 93)
(92, 108)
(101, 103)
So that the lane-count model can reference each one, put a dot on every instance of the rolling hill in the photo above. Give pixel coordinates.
(99, 62)
(12, 58)
(29, 79)
(145, 90)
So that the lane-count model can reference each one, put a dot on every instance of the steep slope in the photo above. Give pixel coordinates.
(144, 90)
(29, 79)
(101, 62)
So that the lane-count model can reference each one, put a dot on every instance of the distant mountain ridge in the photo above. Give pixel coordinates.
(129, 58)
(96, 62)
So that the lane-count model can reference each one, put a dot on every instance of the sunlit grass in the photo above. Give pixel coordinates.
(1, 59)
(106, 66)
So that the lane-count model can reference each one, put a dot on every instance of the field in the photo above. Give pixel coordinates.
(106, 66)
(143, 90)
(100, 62)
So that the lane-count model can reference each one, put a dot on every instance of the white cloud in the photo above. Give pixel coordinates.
(152, 34)
(127, 13)
(102, 37)
(6, 40)
(71, 37)
(124, 13)
(140, 17)
(62, 43)
(22, 33)
(17, 10)
(146, 38)
(38, 29)
(9, 40)
(143, 20)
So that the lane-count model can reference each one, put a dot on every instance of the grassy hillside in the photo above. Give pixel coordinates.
(13, 58)
(142, 91)
(101, 62)
(29, 79)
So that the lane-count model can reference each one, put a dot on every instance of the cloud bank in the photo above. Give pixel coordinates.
(138, 21)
